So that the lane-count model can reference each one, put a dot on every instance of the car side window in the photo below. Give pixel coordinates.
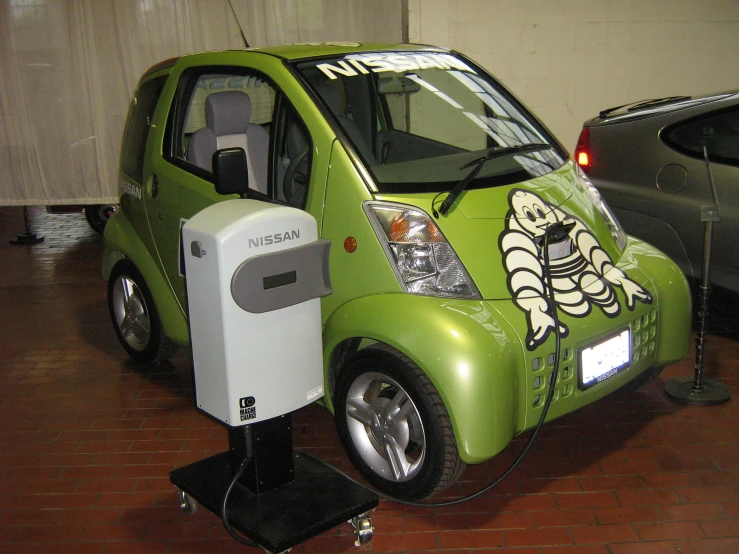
(227, 111)
(293, 157)
(718, 132)
(137, 130)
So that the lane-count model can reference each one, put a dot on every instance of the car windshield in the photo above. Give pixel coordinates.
(417, 120)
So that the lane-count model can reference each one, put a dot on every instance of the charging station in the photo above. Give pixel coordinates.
(255, 274)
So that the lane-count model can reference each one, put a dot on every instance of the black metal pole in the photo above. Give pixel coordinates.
(696, 390)
(703, 297)
(28, 237)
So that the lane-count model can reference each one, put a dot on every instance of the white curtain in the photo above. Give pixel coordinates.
(68, 68)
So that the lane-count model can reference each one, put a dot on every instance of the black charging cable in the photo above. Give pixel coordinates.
(238, 538)
(557, 230)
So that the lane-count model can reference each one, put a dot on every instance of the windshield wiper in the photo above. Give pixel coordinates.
(492, 153)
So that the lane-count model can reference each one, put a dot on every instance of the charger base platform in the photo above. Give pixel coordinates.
(318, 499)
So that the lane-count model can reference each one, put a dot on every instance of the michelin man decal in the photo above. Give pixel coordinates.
(582, 272)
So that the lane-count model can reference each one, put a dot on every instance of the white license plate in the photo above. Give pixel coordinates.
(604, 359)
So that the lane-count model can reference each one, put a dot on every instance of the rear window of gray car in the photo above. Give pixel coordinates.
(718, 132)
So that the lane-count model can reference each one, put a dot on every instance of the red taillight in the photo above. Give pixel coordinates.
(582, 150)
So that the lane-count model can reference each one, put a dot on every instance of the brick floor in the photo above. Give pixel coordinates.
(87, 441)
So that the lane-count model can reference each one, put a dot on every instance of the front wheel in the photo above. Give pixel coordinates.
(394, 426)
(135, 317)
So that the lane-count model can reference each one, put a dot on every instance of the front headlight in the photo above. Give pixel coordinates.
(422, 258)
(613, 225)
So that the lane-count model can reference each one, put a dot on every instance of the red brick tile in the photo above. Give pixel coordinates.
(669, 531)
(537, 537)
(397, 542)
(70, 548)
(505, 520)
(564, 484)
(143, 471)
(609, 482)
(89, 472)
(586, 500)
(63, 501)
(470, 539)
(190, 529)
(604, 534)
(20, 548)
(125, 500)
(721, 528)
(572, 549)
(432, 522)
(645, 548)
(107, 485)
(648, 497)
(563, 518)
(388, 524)
(113, 532)
(630, 466)
(692, 512)
(709, 546)
(525, 503)
(628, 515)
(88, 516)
(152, 514)
(709, 494)
(48, 486)
(130, 547)
(49, 533)
(666, 480)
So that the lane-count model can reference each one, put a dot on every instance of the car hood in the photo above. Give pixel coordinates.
(488, 229)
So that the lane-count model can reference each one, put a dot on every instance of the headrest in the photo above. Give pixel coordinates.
(228, 113)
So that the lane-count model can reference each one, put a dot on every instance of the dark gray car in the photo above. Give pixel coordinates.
(647, 159)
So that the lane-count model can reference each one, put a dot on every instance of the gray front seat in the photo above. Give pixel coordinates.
(227, 116)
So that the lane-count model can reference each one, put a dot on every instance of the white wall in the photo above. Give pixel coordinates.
(569, 59)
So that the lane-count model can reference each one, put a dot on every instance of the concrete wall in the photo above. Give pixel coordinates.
(569, 59)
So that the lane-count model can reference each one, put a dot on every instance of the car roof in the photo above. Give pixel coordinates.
(293, 52)
(656, 106)
(308, 50)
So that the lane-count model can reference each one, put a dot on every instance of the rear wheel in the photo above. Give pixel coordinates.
(98, 215)
(135, 318)
(394, 426)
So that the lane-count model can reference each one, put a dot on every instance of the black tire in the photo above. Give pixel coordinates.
(98, 215)
(135, 318)
(420, 433)
(645, 377)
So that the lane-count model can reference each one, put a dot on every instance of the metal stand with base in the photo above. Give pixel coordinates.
(28, 237)
(697, 390)
(283, 498)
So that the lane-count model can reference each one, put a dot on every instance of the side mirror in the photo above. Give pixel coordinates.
(229, 167)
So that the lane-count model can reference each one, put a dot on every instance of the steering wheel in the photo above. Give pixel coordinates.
(291, 174)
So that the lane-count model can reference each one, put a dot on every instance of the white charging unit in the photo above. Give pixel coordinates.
(255, 273)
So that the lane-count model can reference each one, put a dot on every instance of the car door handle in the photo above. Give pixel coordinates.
(154, 186)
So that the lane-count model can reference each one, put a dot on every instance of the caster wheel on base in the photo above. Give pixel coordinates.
(362, 528)
(187, 503)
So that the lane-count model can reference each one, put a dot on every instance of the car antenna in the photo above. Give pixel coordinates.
(236, 17)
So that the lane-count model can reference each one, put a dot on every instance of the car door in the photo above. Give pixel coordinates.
(718, 132)
(136, 165)
(278, 148)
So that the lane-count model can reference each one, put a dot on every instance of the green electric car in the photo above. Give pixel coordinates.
(437, 189)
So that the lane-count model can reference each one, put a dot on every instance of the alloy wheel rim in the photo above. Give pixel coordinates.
(131, 313)
(385, 427)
